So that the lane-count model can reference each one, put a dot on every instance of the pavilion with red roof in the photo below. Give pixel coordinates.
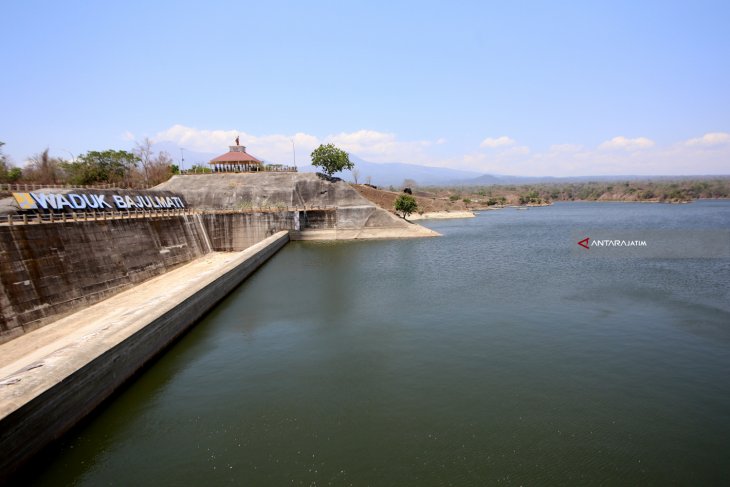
(236, 160)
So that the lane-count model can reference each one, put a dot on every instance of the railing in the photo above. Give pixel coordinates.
(223, 169)
(33, 186)
(26, 219)
(41, 218)
(269, 209)
(278, 168)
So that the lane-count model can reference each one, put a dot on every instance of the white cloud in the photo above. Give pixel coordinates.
(565, 148)
(128, 136)
(370, 145)
(639, 156)
(519, 150)
(713, 138)
(364, 141)
(493, 143)
(270, 148)
(624, 143)
(377, 146)
(199, 140)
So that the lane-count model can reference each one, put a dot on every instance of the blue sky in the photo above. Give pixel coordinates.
(525, 88)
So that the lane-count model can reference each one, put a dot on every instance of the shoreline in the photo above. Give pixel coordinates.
(441, 215)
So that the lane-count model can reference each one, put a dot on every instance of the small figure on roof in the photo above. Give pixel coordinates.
(237, 140)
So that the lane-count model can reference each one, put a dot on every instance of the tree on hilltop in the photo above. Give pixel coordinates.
(406, 204)
(8, 173)
(331, 159)
(109, 166)
(143, 151)
(155, 168)
(44, 169)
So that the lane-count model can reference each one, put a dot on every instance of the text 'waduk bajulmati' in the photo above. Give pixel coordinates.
(75, 201)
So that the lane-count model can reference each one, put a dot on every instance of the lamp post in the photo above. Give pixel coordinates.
(294, 152)
(182, 160)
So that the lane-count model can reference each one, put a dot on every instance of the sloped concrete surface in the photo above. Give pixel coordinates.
(302, 190)
(54, 376)
(236, 191)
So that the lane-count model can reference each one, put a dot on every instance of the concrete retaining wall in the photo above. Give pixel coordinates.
(237, 231)
(39, 403)
(49, 270)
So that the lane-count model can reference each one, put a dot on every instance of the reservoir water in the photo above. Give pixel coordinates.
(494, 354)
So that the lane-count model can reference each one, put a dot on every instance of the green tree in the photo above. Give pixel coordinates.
(4, 166)
(199, 168)
(110, 166)
(331, 159)
(406, 204)
(14, 174)
(8, 172)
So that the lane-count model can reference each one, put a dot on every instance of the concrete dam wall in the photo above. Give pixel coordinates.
(53, 377)
(235, 231)
(305, 191)
(49, 270)
(53, 269)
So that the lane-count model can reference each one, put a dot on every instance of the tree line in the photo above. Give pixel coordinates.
(664, 190)
(138, 168)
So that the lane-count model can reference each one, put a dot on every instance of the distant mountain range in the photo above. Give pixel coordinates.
(395, 173)
(191, 157)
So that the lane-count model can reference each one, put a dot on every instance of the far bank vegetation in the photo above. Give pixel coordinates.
(465, 198)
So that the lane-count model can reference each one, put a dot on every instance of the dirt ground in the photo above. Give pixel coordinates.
(427, 202)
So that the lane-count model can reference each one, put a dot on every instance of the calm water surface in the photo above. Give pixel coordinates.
(494, 354)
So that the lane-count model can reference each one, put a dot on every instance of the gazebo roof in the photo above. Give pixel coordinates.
(236, 154)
